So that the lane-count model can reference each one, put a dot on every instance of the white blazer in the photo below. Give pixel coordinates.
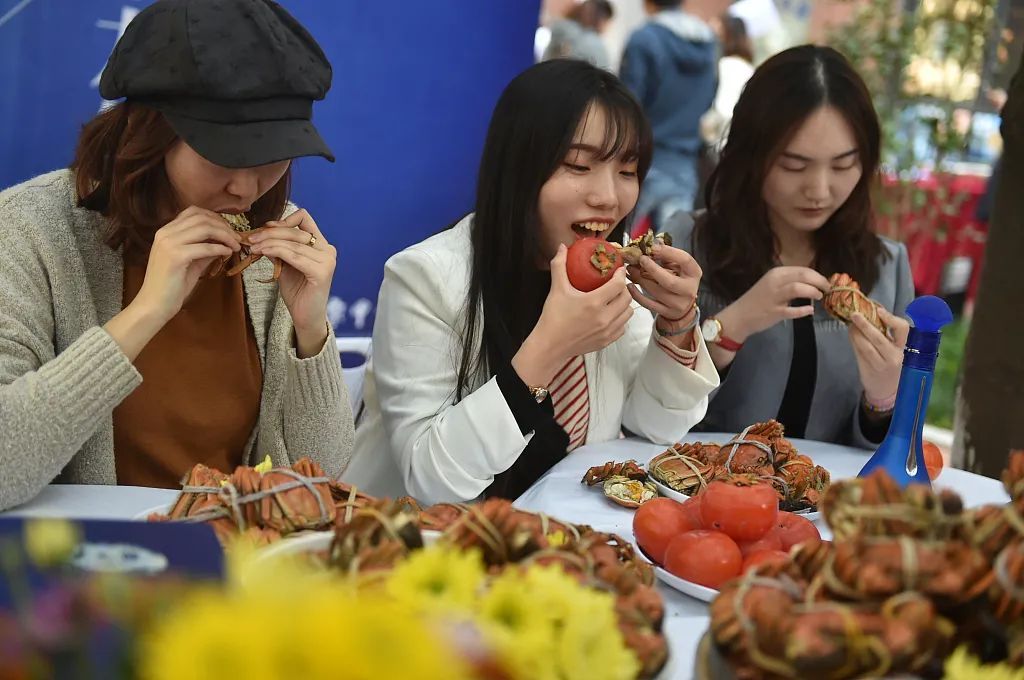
(413, 439)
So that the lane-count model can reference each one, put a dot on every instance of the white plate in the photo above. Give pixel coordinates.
(315, 541)
(694, 590)
(682, 497)
(163, 509)
(666, 491)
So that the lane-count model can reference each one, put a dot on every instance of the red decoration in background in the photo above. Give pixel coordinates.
(939, 241)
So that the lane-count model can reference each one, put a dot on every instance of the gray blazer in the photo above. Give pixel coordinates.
(752, 389)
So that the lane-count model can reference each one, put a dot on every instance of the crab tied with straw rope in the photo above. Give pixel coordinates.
(236, 263)
(381, 534)
(759, 450)
(845, 298)
(911, 576)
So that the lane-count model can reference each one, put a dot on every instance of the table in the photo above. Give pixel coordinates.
(560, 494)
(93, 501)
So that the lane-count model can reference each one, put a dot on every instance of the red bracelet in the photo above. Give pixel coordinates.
(692, 306)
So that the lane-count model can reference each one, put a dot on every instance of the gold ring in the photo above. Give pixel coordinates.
(312, 241)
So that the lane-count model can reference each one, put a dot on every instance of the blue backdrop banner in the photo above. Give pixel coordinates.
(414, 85)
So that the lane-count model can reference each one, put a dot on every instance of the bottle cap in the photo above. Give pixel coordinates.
(928, 314)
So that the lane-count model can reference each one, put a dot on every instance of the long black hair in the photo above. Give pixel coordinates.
(734, 234)
(533, 125)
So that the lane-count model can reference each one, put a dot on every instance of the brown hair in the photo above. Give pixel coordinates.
(119, 173)
(591, 13)
(735, 41)
(734, 235)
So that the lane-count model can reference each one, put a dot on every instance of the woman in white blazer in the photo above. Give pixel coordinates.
(488, 366)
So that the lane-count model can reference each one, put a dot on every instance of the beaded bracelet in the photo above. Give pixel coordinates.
(878, 410)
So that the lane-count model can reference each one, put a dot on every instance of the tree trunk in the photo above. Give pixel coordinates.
(990, 414)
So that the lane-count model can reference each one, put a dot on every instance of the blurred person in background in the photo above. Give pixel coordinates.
(670, 65)
(578, 35)
(734, 70)
(788, 206)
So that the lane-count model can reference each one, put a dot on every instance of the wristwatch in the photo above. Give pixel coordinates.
(711, 329)
(539, 393)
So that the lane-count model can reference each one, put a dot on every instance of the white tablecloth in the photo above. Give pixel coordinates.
(560, 494)
(93, 502)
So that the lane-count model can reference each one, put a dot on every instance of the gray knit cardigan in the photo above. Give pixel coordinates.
(61, 374)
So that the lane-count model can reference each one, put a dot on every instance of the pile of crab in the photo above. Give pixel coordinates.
(760, 450)
(372, 535)
(373, 539)
(263, 503)
(909, 577)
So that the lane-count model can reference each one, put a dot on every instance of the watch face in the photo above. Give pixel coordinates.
(709, 329)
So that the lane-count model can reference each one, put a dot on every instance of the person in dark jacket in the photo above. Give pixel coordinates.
(670, 64)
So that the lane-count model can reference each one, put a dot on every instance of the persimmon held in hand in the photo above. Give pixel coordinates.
(591, 262)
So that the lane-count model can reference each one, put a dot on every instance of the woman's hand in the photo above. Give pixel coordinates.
(305, 282)
(879, 358)
(572, 323)
(669, 281)
(183, 249)
(768, 301)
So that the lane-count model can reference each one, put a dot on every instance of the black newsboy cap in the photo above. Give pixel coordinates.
(236, 79)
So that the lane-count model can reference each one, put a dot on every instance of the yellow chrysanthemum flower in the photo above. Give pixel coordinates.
(504, 604)
(50, 541)
(326, 633)
(547, 625)
(437, 578)
(590, 644)
(962, 665)
(557, 539)
(250, 571)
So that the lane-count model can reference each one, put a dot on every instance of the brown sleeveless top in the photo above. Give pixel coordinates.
(202, 383)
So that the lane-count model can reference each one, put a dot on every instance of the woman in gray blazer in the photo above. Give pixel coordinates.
(789, 205)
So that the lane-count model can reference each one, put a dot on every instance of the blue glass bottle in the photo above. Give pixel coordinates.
(900, 453)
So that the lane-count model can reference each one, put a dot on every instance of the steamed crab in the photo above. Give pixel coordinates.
(643, 245)
(760, 450)
(624, 483)
(238, 262)
(266, 503)
(846, 298)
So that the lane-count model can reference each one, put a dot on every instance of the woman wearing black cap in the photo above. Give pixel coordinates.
(127, 354)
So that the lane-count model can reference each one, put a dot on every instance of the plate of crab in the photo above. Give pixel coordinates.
(760, 451)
